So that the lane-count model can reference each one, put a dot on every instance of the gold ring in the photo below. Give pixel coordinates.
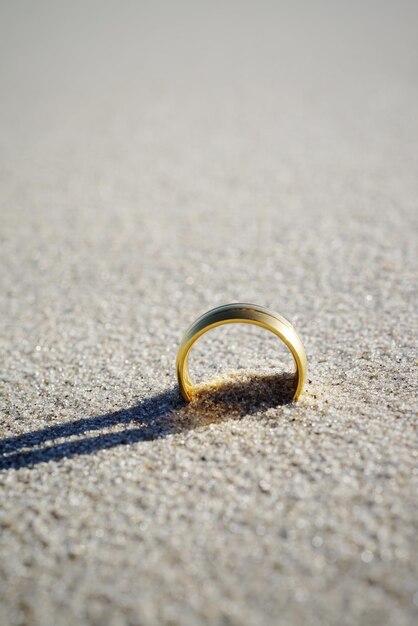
(247, 314)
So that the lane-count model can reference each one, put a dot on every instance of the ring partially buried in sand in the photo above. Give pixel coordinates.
(246, 314)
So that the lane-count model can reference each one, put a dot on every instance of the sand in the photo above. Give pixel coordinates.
(158, 160)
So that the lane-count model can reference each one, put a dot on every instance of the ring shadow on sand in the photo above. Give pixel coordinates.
(153, 418)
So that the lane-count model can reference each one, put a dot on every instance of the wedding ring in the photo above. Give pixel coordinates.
(247, 314)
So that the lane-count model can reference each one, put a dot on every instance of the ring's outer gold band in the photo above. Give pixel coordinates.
(247, 314)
